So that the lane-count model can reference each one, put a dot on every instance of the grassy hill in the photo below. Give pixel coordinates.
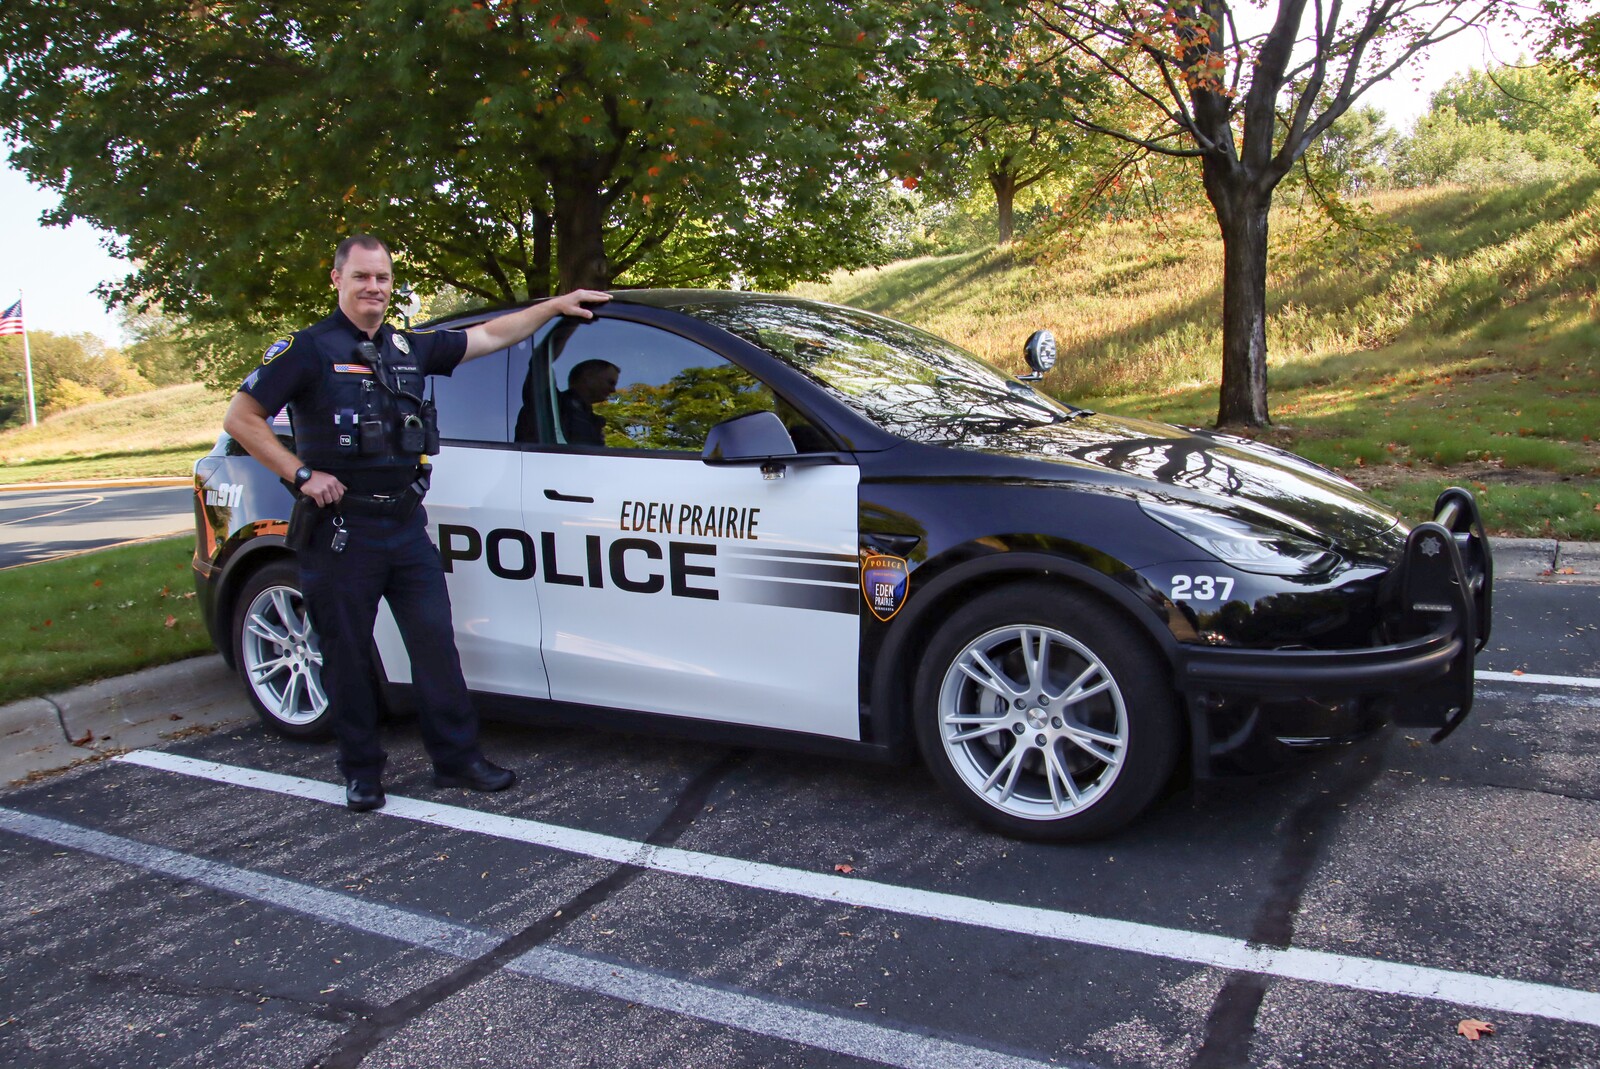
(1467, 353)
(160, 432)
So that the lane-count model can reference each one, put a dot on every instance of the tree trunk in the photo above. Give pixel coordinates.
(539, 272)
(1004, 184)
(1242, 211)
(580, 213)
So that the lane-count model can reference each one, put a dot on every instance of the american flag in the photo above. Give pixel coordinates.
(11, 320)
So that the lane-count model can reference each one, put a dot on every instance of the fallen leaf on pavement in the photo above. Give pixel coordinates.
(846, 869)
(1474, 1030)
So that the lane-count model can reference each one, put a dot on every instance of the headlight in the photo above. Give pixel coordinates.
(1250, 547)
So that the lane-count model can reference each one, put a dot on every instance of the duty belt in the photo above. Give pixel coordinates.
(399, 504)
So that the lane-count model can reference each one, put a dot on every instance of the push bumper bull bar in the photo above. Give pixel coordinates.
(1436, 607)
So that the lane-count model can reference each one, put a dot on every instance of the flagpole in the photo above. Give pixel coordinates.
(27, 361)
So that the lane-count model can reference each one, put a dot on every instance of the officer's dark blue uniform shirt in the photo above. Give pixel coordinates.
(330, 389)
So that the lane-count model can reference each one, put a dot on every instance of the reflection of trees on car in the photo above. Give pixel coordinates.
(679, 414)
(1179, 461)
(905, 380)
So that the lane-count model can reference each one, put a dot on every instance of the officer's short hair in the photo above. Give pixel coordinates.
(358, 241)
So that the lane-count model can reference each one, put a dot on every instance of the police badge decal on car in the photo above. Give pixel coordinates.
(883, 583)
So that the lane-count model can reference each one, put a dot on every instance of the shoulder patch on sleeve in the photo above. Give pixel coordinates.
(276, 349)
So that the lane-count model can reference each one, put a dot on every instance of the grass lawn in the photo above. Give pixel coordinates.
(97, 615)
(1468, 354)
(175, 462)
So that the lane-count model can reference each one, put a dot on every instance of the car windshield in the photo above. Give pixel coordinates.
(905, 380)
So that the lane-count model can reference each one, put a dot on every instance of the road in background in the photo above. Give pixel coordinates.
(41, 524)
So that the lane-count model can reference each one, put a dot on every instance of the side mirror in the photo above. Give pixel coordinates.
(753, 438)
(1040, 352)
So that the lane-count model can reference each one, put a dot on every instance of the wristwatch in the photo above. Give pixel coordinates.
(301, 474)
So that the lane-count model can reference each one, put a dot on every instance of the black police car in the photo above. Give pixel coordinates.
(816, 528)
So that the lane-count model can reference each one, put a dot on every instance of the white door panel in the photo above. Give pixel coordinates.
(678, 587)
(477, 490)
(393, 662)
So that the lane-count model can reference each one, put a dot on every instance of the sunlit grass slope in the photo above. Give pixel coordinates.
(156, 433)
(1468, 354)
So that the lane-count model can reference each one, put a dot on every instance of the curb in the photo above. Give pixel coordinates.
(157, 705)
(91, 484)
(1546, 560)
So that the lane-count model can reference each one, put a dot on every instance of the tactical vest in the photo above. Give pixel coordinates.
(368, 423)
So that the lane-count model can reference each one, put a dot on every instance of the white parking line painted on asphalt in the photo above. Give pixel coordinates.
(1341, 970)
(720, 1005)
(1530, 677)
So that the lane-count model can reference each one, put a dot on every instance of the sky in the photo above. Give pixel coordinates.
(55, 270)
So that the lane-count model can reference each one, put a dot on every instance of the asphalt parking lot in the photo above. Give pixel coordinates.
(641, 903)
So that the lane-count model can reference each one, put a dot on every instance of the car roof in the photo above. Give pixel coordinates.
(669, 299)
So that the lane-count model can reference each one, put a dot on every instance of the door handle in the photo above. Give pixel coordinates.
(553, 495)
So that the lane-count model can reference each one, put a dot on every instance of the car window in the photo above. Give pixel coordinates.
(905, 380)
(611, 384)
(472, 401)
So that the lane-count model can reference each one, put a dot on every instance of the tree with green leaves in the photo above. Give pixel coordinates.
(1504, 124)
(1246, 93)
(158, 348)
(1353, 155)
(505, 148)
(680, 413)
(68, 370)
(998, 128)
(985, 118)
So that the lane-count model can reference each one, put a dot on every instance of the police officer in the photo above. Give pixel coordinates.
(354, 387)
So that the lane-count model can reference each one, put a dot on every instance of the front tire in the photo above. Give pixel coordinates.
(1046, 714)
(277, 654)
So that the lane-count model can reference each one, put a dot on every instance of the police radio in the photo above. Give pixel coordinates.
(417, 434)
(373, 359)
(430, 427)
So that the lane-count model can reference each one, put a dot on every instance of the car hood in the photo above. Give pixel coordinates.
(1224, 472)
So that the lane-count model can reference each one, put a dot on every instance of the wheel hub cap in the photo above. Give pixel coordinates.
(1033, 722)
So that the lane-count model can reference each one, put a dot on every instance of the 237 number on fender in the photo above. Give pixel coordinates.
(1201, 587)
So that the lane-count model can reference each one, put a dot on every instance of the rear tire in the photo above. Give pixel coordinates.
(1046, 714)
(277, 654)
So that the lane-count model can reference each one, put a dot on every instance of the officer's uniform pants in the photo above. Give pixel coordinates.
(393, 560)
